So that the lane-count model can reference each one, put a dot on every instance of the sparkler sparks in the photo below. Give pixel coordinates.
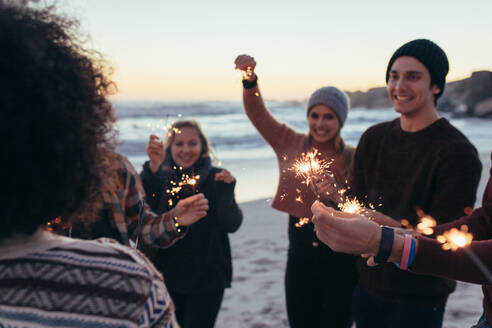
(310, 167)
(55, 224)
(352, 206)
(426, 225)
(246, 74)
(176, 187)
(454, 238)
(173, 131)
(301, 222)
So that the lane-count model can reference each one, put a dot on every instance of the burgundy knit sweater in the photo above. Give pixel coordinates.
(435, 169)
(431, 259)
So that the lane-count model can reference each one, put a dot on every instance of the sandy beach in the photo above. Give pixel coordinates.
(256, 299)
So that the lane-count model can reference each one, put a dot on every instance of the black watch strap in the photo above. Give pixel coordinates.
(250, 84)
(386, 245)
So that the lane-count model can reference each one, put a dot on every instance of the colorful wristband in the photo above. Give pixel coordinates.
(406, 252)
(386, 245)
(412, 253)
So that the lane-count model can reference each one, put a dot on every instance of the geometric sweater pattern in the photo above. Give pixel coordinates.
(83, 284)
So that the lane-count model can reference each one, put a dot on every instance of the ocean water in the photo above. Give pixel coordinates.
(239, 147)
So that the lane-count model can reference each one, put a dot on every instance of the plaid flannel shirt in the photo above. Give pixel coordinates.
(124, 200)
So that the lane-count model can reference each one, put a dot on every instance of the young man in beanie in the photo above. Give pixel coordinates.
(417, 163)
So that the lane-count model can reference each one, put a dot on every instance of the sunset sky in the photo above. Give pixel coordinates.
(184, 50)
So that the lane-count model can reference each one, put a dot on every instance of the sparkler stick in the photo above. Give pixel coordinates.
(214, 147)
(310, 167)
(454, 239)
(485, 271)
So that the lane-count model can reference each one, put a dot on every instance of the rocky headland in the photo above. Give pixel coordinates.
(468, 97)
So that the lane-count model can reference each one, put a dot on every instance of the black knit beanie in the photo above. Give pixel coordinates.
(429, 54)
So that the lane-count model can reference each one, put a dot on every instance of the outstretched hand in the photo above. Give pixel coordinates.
(224, 176)
(155, 151)
(345, 232)
(191, 209)
(246, 64)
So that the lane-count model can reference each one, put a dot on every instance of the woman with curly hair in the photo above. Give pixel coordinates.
(57, 128)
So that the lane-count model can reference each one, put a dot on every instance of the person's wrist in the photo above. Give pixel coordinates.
(397, 250)
(176, 222)
(154, 166)
(385, 245)
(250, 82)
(377, 241)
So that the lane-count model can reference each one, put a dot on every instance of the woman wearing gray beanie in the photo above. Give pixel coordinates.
(318, 281)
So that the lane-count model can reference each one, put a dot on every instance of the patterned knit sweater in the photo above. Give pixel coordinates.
(48, 280)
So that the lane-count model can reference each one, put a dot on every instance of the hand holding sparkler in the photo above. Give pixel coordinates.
(191, 209)
(225, 176)
(247, 65)
(345, 232)
(155, 151)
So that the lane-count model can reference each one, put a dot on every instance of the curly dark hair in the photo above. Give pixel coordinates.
(56, 120)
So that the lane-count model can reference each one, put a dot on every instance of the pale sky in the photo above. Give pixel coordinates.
(184, 50)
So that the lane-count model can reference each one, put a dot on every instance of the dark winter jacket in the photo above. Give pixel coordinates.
(201, 261)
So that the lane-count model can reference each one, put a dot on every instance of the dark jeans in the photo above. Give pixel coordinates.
(370, 312)
(197, 310)
(482, 323)
(318, 282)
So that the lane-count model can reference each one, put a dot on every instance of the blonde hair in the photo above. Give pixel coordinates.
(175, 129)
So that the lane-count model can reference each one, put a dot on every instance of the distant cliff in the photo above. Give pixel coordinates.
(471, 96)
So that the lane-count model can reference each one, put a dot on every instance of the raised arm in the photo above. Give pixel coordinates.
(275, 133)
(151, 176)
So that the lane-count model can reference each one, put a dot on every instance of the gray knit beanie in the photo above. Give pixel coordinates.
(332, 97)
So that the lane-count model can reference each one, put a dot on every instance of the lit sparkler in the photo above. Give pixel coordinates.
(301, 222)
(454, 239)
(309, 167)
(176, 187)
(55, 225)
(352, 206)
(426, 225)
